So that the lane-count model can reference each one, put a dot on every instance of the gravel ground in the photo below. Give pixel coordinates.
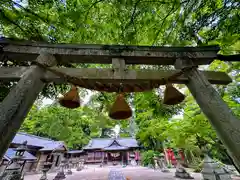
(133, 173)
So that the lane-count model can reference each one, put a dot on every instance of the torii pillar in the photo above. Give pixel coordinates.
(221, 117)
(15, 107)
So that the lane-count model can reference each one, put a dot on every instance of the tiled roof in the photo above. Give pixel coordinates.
(100, 143)
(129, 142)
(44, 144)
(26, 156)
(53, 145)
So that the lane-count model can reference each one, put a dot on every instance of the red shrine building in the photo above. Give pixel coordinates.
(113, 151)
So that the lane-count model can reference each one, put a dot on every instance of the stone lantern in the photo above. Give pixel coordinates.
(80, 165)
(60, 174)
(155, 159)
(213, 171)
(181, 171)
(14, 169)
(21, 149)
(69, 171)
(46, 167)
(162, 163)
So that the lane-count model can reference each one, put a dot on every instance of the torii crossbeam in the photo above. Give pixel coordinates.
(49, 57)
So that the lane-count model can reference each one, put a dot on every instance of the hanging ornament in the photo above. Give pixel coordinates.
(172, 96)
(115, 155)
(120, 109)
(71, 99)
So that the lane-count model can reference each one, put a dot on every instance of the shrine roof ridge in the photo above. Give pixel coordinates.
(100, 143)
(35, 136)
(74, 151)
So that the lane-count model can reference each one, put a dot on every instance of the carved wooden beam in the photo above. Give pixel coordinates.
(103, 54)
(108, 75)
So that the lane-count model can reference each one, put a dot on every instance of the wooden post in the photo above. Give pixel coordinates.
(166, 156)
(221, 117)
(122, 156)
(107, 158)
(15, 107)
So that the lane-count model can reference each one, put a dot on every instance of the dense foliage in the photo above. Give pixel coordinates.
(74, 127)
(147, 157)
(138, 22)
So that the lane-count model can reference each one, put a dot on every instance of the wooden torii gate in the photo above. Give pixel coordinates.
(47, 58)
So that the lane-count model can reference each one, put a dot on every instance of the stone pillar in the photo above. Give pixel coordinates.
(19, 101)
(221, 117)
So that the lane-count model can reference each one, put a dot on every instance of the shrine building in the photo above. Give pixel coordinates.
(39, 149)
(112, 151)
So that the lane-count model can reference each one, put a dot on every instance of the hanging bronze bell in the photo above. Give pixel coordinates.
(172, 96)
(71, 99)
(120, 109)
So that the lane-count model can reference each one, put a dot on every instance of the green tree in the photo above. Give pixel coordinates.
(73, 126)
(152, 118)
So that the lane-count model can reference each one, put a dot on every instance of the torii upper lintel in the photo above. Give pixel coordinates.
(103, 54)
